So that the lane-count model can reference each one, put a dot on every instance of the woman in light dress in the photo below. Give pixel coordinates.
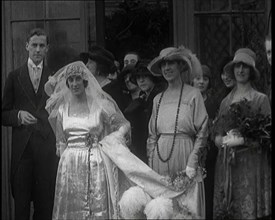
(178, 124)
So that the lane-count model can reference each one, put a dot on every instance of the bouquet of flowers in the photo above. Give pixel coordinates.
(249, 124)
(180, 181)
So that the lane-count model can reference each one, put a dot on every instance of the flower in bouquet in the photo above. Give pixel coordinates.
(181, 182)
(159, 208)
(132, 203)
(256, 127)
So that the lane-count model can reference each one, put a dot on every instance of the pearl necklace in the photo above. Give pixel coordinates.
(176, 126)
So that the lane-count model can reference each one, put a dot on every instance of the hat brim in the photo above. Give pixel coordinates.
(96, 57)
(101, 59)
(228, 68)
(154, 78)
(154, 65)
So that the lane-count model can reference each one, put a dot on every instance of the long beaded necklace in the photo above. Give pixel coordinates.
(176, 126)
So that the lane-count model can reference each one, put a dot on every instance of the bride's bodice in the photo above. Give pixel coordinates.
(78, 130)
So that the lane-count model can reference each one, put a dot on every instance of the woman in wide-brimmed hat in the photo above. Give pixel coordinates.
(178, 124)
(243, 189)
(192, 64)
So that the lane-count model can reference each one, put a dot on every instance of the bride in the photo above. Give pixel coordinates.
(98, 177)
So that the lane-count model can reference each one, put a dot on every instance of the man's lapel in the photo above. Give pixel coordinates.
(26, 84)
(43, 80)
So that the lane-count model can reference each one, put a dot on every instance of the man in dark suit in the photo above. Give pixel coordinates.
(34, 161)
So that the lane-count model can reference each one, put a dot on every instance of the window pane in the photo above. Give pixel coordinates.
(65, 32)
(213, 42)
(27, 10)
(63, 9)
(204, 5)
(248, 4)
(220, 5)
(64, 43)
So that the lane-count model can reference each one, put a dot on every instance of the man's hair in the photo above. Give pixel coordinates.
(38, 32)
(132, 52)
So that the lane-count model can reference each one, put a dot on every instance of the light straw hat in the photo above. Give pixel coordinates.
(247, 56)
(170, 53)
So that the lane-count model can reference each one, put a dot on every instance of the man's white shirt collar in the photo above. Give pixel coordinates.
(31, 64)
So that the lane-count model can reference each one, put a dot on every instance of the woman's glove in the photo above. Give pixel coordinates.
(190, 172)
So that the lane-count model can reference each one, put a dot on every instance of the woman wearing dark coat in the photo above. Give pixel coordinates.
(139, 110)
(242, 187)
(203, 83)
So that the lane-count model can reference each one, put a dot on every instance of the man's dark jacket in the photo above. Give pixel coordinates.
(19, 95)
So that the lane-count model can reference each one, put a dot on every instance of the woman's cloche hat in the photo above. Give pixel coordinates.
(244, 55)
(142, 70)
(170, 53)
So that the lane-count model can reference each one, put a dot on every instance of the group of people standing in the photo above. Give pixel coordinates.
(89, 134)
